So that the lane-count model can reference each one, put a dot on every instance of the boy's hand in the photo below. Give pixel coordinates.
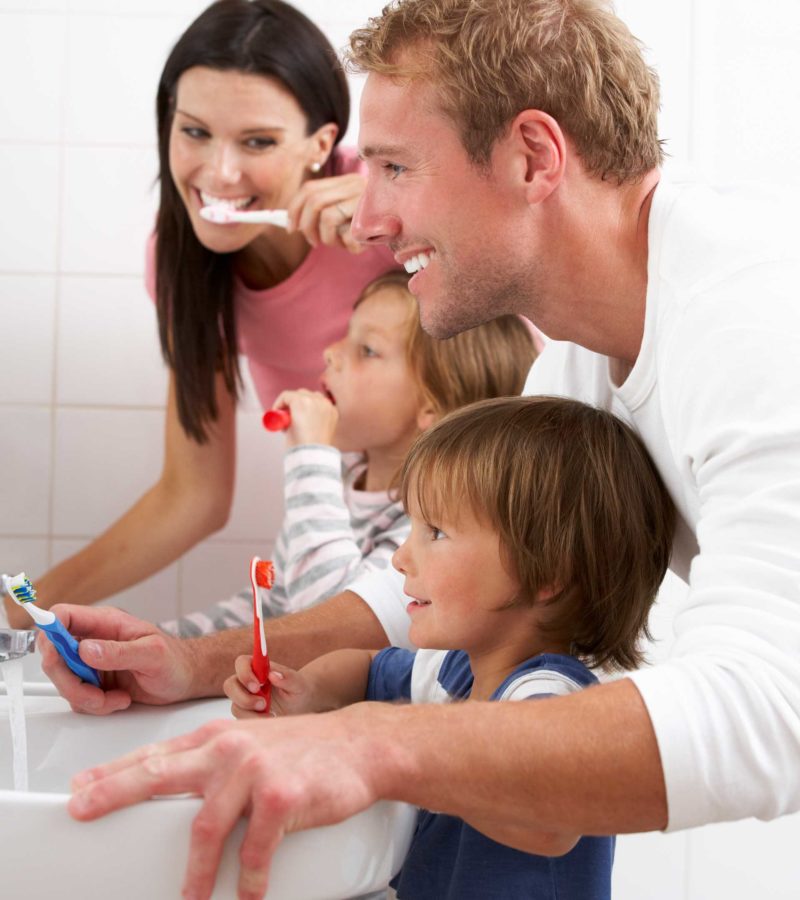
(314, 417)
(291, 691)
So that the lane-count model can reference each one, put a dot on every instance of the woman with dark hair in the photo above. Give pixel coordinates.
(251, 106)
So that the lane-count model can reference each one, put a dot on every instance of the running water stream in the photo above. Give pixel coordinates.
(12, 673)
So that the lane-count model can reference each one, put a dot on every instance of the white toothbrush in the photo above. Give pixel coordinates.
(224, 215)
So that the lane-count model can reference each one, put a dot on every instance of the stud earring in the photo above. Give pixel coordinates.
(315, 167)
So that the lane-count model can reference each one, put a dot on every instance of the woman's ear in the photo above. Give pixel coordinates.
(322, 142)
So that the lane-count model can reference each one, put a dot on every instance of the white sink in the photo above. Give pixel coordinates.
(140, 852)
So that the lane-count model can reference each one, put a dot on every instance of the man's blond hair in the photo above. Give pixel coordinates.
(492, 59)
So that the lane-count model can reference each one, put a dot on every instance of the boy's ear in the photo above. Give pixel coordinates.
(546, 594)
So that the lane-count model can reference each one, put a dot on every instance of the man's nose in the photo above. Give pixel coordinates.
(373, 222)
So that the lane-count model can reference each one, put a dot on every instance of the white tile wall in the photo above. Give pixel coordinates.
(27, 310)
(31, 194)
(109, 206)
(82, 381)
(104, 460)
(35, 45)
(107, 352)
(25, 436)
(119, 107)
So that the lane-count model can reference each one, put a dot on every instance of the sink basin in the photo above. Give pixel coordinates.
(141, 851)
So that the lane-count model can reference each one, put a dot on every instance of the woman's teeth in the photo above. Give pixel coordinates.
(227, 202)
(420, 261)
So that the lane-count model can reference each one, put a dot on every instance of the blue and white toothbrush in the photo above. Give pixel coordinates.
(23, 593)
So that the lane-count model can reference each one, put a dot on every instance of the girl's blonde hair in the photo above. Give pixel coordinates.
(576, 501)
(491, 59)
(490, 360)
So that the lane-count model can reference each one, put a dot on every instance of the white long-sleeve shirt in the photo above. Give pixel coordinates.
(715, 395)
(331, 533)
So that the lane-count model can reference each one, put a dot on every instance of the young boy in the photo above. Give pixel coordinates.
(540, 534)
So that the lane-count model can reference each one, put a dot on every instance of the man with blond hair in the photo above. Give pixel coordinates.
(513, 166)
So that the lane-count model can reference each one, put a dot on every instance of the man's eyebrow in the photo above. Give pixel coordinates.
(386, 150)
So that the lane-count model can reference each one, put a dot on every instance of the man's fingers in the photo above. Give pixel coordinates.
(220, 811)
(260, 842)
(188, 741)
(102, 622)
(179, 765)
(143, 656)
(82, 697)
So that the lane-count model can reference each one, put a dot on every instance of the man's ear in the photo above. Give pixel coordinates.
(541, 151)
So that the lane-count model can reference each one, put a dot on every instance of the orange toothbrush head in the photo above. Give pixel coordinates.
(265, 574)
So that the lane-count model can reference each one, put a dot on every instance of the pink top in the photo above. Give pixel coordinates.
(283, 330)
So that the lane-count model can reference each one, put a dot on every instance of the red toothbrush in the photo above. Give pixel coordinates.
(262, 575)
(277, 419)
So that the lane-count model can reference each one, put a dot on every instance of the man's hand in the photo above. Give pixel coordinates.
(283, 774)
(137, 661)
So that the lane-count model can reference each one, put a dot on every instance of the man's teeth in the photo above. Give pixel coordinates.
(211, 200)
(420, 261)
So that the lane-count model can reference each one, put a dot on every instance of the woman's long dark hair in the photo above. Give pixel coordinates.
(194, 285)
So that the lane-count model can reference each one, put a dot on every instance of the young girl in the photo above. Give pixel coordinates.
(383, 384)
(540, 532)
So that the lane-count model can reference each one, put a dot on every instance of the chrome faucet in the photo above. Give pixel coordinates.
(15, 643)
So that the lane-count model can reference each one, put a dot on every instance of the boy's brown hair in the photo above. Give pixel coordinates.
(492, 59)
(490, 360)
(576, 501)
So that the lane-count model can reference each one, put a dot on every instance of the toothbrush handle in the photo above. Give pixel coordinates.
(67, 647)
(260, 667)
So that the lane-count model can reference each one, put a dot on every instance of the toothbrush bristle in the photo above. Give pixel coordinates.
(215, 214)
(265, 573)
(23, 590)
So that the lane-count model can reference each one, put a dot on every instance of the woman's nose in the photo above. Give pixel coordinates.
(226, 164)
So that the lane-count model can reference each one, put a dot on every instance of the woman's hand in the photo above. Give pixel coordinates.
(314, 417)
(292, 692)
(323, 208)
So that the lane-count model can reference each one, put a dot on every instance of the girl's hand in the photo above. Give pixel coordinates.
(314, 417)
(291, 691)
(323, 208)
